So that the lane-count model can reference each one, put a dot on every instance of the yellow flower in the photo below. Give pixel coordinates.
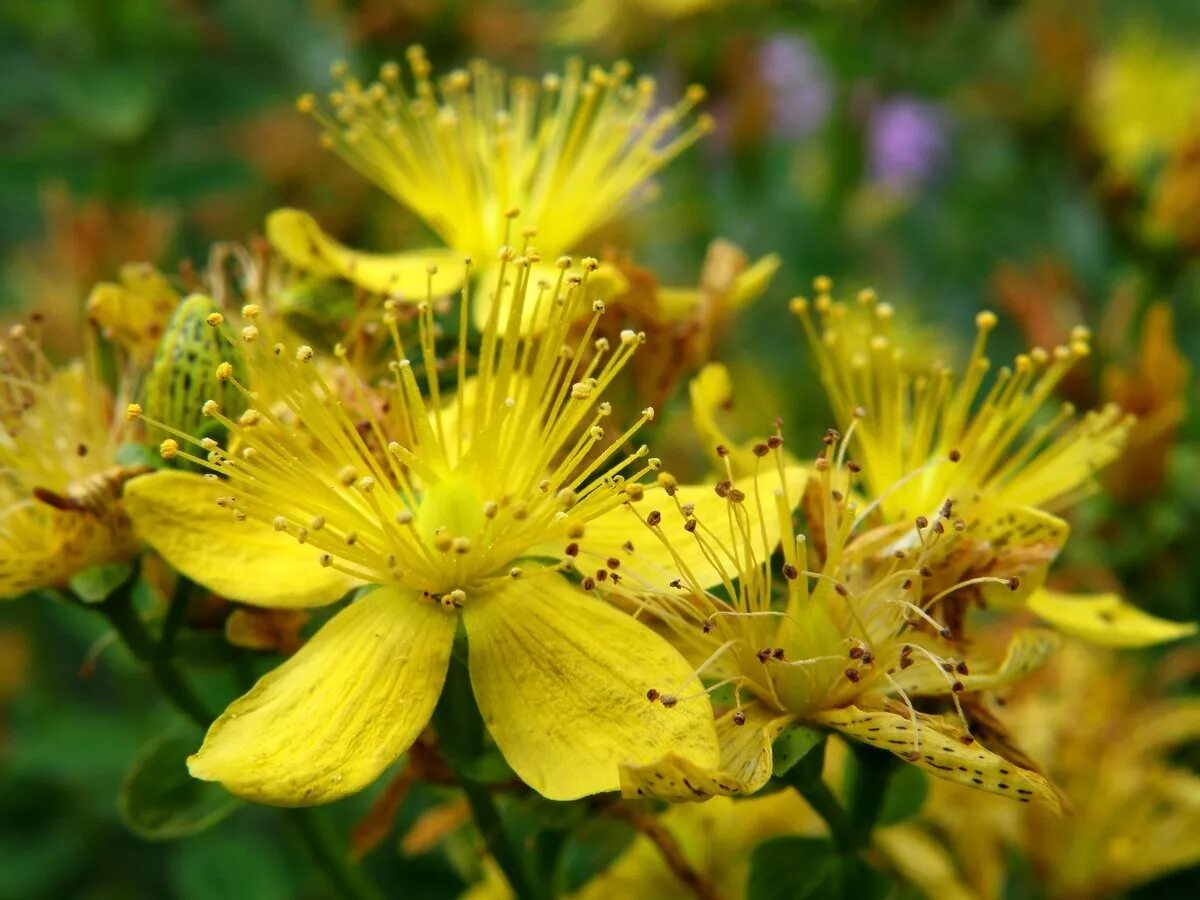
(60, 487)
(134, 313)
(464, 504)
(588, 21)
(468, 152)
(1107, 735)
(932, 446)
(710, 846)
(850, 644)
(1144, 100)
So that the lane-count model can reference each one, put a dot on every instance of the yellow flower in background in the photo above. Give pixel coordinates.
(1144, 100)
(473, 149)
(589, 21)
(133, 314)
(710, 845)
(60, 485)
(463, 503)
(842, 640)
(923, 432)
(1107, 733)
(931, 444)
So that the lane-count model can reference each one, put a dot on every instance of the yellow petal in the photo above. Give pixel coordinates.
(298, 237)
(1105, 619)
(41, 546)
(745, 766)
(1022, 541)
(940, 750)
(176, 513)
(652, 567)
(752, 281)
(923, 861)
(561, 679)
(328, 721)
(1028, 650)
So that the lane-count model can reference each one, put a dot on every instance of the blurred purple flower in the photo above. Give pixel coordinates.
(793, 70)
(908, 140)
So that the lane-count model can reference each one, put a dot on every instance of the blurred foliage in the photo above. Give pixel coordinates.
(945, 152)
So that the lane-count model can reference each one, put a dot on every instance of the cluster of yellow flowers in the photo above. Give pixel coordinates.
(459, 470)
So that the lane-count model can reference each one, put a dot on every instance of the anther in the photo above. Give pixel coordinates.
(169, 448)
(133, 412)
(669, 700)
(654, 518)
(652, 695)
(739, 718)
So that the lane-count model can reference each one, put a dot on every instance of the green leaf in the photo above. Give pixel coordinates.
(95, 584)
(796, 744)
(159, 800)
(796, 868)
(134, 454)
(904, 796)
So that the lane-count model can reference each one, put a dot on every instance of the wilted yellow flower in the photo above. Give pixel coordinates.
(60, 486)
(1106, 735)
(846, 642)
(474, 149)
(466, 503)
(1154, 388)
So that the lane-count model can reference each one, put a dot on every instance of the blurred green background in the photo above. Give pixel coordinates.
(954, 155)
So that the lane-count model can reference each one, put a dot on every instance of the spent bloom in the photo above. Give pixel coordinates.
(836, 637)
(60, 484)
(465, 151)
(462, 502)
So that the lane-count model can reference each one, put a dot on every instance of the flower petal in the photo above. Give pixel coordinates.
(1021, 541)
(298, 237)
(176, 513)
(745, 765)
(942, 750)
(328, 721)
(1028, 650)
(561, 679)
(652, 567)
(1105, 619)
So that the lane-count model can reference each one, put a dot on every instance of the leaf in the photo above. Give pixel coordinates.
(160, 801)
(796, 744)
(905, 795)
(795, 868)
(93, 585)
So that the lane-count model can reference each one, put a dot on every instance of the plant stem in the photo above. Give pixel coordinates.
(873, 769)
(119, 610)
(669, 849)
(327, 854)
(817, 794)
(322, 846)
(491, 827)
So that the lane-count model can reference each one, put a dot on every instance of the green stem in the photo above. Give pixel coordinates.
(817, 794)
(324, 848)
(491, 827)
(118, 608)
(872, 769)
